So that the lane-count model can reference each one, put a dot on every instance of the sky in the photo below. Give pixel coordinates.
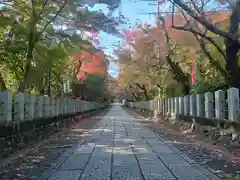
(132, 10)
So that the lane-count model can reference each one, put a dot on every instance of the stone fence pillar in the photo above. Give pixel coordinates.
(233, 104)
(176, 103)
(6, 107)
(200, 105)
(220, 104)
(181, 105)
(192, 104)
(18, 112)
(45, 107)
(209, 110)
(186, 105)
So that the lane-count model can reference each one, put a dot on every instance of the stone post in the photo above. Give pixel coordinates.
(38, 112)
(45, 107)
(66, 103)
(172, 106)
(186, 105)
(169, 106)
(192, 105)
(78, 106)
(220, 104)
(162, 106)
(165, 106)
(62, 106)
(53, 107)
(181, 105)
(176, 103)
(209, 109)
(233, 104)
(6, 107)
(29, 107)
(57, 107)
(200, 105)
(18, 115)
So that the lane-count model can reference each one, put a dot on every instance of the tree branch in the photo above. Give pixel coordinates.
(155, 65)
(135, 96)
(212, 60)
(141, 87)
(204, 22)
(211, 40)
(43, 6)
(53, 19)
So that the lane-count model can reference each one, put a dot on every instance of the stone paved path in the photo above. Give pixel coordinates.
(121, 148)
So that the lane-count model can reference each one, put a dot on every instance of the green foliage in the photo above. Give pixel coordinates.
(156, 74)
(37, 39)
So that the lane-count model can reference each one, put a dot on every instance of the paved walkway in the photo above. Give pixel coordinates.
(121, 148)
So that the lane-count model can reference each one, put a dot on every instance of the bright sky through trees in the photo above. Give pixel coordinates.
(132, 11)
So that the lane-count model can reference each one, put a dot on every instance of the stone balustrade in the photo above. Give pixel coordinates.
(218, 105)
(20, 107)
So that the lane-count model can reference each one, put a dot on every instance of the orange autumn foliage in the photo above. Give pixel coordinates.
(90, 63)
(187, 38)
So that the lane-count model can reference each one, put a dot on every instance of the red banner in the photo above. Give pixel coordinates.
(194, 74)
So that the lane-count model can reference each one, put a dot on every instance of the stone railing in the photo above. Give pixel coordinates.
(218, 105)
(18, 108)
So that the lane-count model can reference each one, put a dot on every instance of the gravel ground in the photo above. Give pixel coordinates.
(222, 161)
(35, 160)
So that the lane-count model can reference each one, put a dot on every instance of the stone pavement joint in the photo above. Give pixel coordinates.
(120, 148)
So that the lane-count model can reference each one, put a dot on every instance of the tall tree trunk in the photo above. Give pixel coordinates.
(29, 59)
(143, 87)
(135, 96)
(49, 80)
(232, 48)
(179, 75)
(214, 62)
(3, 86)
(31, 45)
(186, 89)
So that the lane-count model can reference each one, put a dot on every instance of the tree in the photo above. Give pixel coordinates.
(198, 11)
(37, 34)
(154, 48)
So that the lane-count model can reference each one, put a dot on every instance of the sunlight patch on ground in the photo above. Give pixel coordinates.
(122, 150)
(176, 142)
(114, 117)
(78, 130)
(85, 135)
(126, 140)
(118, 135)
(101, 145)
(107, 130)
(141, 150)
(96, 130)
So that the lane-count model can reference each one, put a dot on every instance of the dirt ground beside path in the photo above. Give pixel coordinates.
(222, 160)
(31, 164)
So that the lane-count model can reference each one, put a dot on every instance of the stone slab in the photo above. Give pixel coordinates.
(156, 171)
(173, 160)
(147, 158)
(155, 159)
(66, 175)
(126, 173)
(98, 167)
(78, 159)
(206, 172)
(161, 148)
(124, 159)
(187, 173)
